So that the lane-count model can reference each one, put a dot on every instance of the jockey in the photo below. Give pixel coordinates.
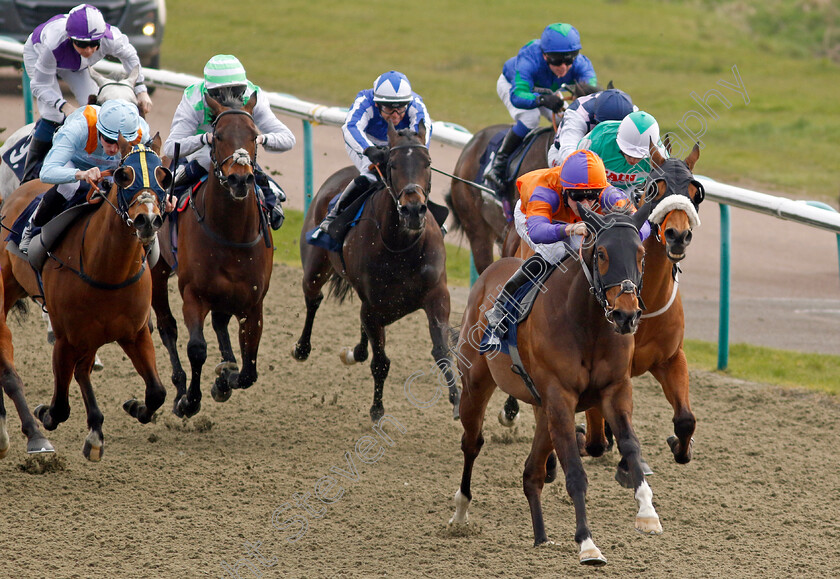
(547, 217)
(528, 83)
(624, 147)
(366, 131)
(582, 116)
(192, 125)
(82, 148)
(65, 47)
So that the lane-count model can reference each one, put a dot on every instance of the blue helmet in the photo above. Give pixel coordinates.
(612, 105)
(118, 117)
(391, 87)
(560, 37)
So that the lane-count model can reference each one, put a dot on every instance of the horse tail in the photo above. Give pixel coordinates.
(456, 220)
(340, 288)
(20, 308)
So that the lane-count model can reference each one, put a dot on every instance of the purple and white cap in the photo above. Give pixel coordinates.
(85, 22)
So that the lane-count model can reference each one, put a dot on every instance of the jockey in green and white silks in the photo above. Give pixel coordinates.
(225, 81)
(624, 146)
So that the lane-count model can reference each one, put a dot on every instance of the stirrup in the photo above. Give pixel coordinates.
(25, 240)
(325, 224)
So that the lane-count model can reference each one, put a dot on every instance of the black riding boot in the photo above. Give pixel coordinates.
(497, 176)
(51, 205)
(273, 195)
(355, 189)
(38, 150)
(534, 268)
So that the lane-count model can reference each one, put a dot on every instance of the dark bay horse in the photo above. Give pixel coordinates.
(577, 346)
(224, 264)
(97, 287)
(674, 196)
(482, 219)
(394, 258)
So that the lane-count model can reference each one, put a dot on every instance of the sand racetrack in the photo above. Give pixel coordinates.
(195, 498)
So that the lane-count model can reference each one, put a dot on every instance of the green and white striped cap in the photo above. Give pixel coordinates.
(224, 70)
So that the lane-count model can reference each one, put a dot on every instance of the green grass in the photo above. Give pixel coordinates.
(784, 140)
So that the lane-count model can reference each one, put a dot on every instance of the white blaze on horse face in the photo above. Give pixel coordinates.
(462, 503)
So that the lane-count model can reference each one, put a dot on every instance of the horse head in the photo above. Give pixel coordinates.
(616, 260)
(141, 182)
(675, 197)
(234, 147)
(409, 175)
(114, 89)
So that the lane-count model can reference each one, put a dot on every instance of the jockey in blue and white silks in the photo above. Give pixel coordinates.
(366, 131)
(528, 83)
(65, 47)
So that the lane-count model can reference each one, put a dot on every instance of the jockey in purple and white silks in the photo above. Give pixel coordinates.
(528, 83)
(65, 47)
(366, 131)
(582, 116)
(192, 126)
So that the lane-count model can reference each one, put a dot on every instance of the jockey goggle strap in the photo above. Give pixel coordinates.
(143, 161)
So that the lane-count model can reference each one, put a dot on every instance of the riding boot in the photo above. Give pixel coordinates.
(272, 195)
(497, 176)
(38, 150)
(534, 268)
(51, 205)
(355, 189)
(189, 175)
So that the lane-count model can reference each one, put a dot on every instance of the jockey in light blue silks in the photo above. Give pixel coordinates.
(82, 148)
(366, 131)
(65, 47)
(192, 125)
(552, 60)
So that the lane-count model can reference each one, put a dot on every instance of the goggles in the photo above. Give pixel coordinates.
(389, 108)
(584, 194)
(86, 43)
(561, 58)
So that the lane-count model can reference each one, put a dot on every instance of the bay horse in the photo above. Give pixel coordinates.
(482, 219)
(97, 287)
(394, 259)
(674, 196)
(224, 264)
(577, 346)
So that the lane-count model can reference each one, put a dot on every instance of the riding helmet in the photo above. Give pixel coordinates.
(583, 169)
(612, 105)
(224, 70)
(118, 117)
(560, 37)
(85, 22)
(391, 87)
(635, 134)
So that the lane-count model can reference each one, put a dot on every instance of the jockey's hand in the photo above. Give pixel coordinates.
(144, 103)
(578, 228)
(169, 203)
(92, 175)
(261, 139)
(67, 109)
(378, 155)
(551, 101)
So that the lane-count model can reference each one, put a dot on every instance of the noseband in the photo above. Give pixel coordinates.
(239, 156)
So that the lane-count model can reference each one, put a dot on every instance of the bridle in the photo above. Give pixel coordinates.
(387, 181)
(240, 156)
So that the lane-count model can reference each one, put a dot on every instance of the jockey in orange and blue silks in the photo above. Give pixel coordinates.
(528, 83)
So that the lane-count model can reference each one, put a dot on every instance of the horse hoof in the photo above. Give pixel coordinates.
(680, 458)
(301, 352)
(222, 366)
(347, 357)
(593, 558)
(649, 525)
(504, 420)
(188, 409)
(622, 477)
(646, 470)
(39, 445)
(377, 412)
(220, 391)
(176, 409)
(98, 366)
(94, 447)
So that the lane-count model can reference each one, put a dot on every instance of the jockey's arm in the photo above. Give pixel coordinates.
(567, 138)
(71, 138)
(183, 130)
(543, 203)
(42, 80)
(276, 136)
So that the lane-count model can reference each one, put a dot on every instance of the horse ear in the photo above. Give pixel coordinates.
(392, 134)
(421, 131)
(656, 158)
(156, 143)
(641, 215)
(692, 157)
(164, 177)
(131, 80)
(215, 106)
(610, 85)
(91, 99)
(667, 143)
(252, 102)
(125, 146)
(124, 177)
(98, 78)
(594, 221)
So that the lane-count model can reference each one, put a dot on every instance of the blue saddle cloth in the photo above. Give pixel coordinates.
(506, 333)
(20, 223)
(15, 157)
(320, 239)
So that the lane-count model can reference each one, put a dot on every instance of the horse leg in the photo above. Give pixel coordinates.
(618, 409)
(359, 353)
(673, 376)
(561, 424)
(94, 446)
(533, 477)
(12, 385)
(478, 388)
(595, 441)
(167, 326)
(379, 364)
(250, 333)
(227, 372)
(195, 313)
(141, 352)
(437, 313)
(64, 362)
(315, 275)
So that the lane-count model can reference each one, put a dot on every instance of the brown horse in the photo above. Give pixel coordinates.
(394, 258)
(577, 346)
(674, 196)
(224, 264)
(97, 287)
(477, 212)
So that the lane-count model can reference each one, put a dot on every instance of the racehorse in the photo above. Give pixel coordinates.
(224, 263)
(480, 216)
(674, 196)
(97, 287)
(394, 258)
(576, 347)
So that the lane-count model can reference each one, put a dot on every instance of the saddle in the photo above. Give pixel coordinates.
(514, 161)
